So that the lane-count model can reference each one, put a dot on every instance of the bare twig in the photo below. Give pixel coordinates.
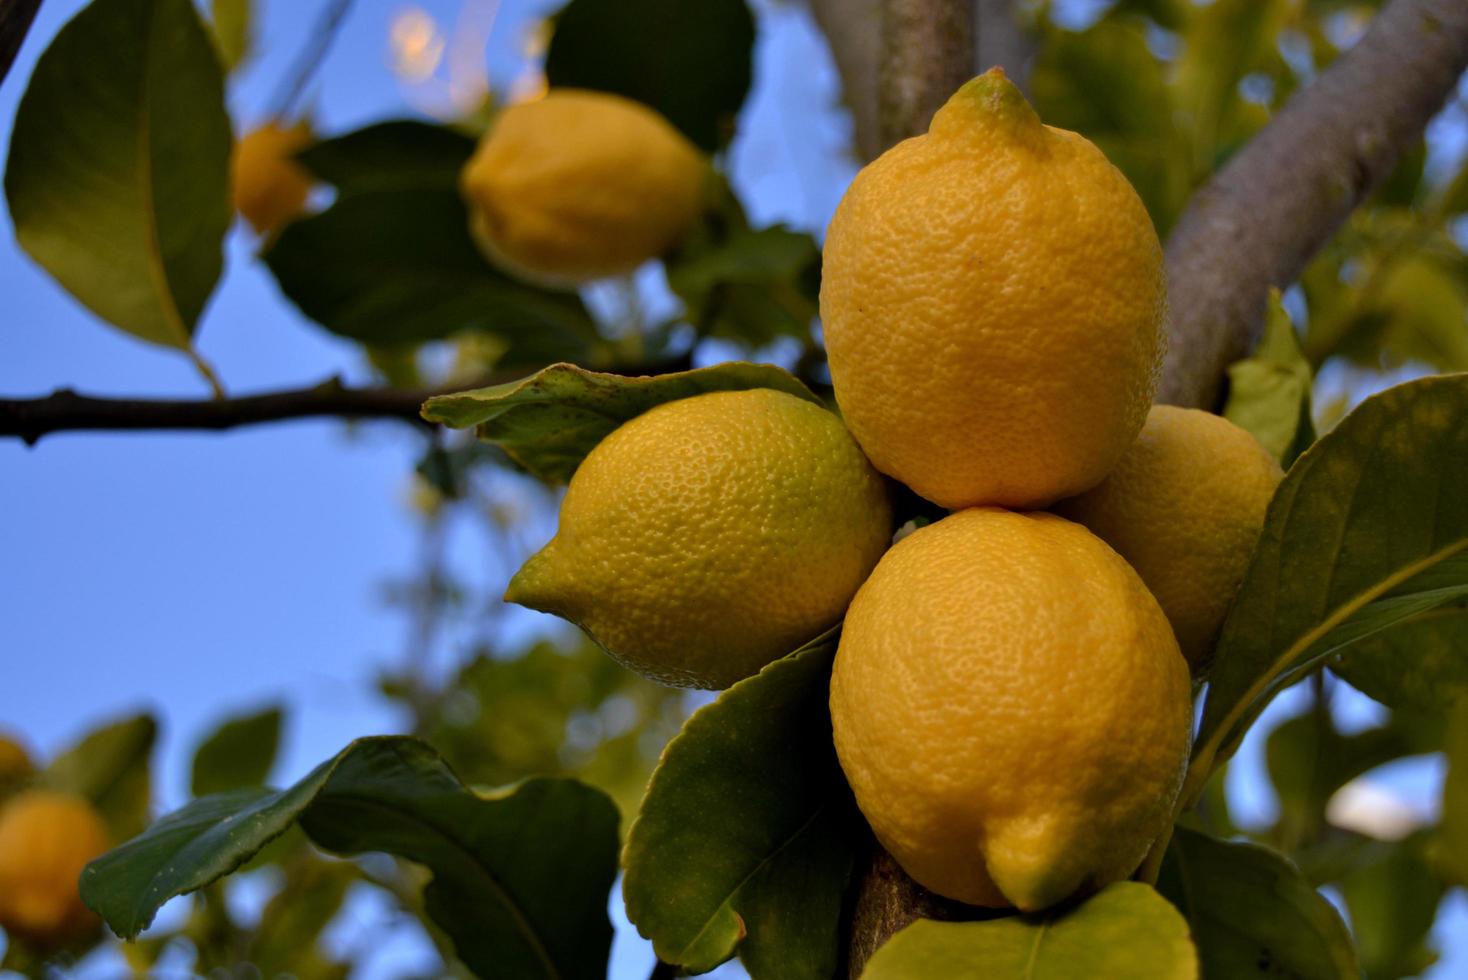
(1260, 219)
(318, 43)
(927, 53)
(15, 22)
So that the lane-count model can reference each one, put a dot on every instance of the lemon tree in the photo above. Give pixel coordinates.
(989, 527)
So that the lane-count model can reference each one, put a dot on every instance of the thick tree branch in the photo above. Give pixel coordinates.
(927, 53)
(1259, 220)
(15, 22)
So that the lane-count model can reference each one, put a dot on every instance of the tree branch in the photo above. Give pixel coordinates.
(15, 22)
(927, 52)
(1258, 221)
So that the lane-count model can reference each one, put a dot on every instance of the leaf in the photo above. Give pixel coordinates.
(1368, 531)
(742, 843)
(520, 878)
(397, 155)
(549, 421)
(237, 754)
(1434, 644)
(1251, 912)
(1393, 898)
(1125, 932)
(1419, 312)
(398, 266)
(111, 767)
(1222, 43)
(691, 62)
(754, 287)
(311, 894)
(1451, 847)
(1269, 393)
(118, 179)
(233, 30)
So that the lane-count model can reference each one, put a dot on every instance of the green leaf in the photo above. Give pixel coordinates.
(1222, 43)
(237, 754)
(549, 421)
(1450, 850)
(1269, 393)
(1418, 312)
(118, 179)
(1393, 898)
(311, 893)
(743, 842)
(1125, 932)
(1252, 914)
(520, 878)
(233, 30)
(691, 62)
(753, 287)
(1434, 644)
(398, 267)
(391, 156)
(1368, 531)
(111, 767)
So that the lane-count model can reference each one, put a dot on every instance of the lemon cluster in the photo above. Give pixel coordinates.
(1011, 695)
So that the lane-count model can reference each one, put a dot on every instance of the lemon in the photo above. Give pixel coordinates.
(711, 535)
(1185, 506)
(993, 299)
(1010, 709)
(580, 185)
(270, 187)
(46, 839)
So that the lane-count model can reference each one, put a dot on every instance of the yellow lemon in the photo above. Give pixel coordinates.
(270, 187)
(1185, 506)
(711, 535)
(1010, 709)
(46, 839)
(993, 298)
(580, 185)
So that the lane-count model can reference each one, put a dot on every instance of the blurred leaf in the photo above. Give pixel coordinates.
(549, 421)
(754, 287)
(1393, 898)
(398, 155)
(118, 178)
(743, 841)
(111, 767)
(1172, 14)
(1222, 42)
(1309, 760)
(1251, 912)
(398, 266)
(1269, 393)
(1434, 644)
(286, 940)
(1418, 312)
(1450, 849)
(520, 878)
(1454, 197)
(1402, 187)
(1124, 932)
(1369, 530)
(1107, 85)
(239, 753)
(555, 711)
(233, 30)
(691, 62)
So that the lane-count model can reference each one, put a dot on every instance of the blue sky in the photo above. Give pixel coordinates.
(198, 574)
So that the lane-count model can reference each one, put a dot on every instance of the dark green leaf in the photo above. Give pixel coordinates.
(1450, 850)
(549, 421)
(1269, 393)
(689, 61)
(1434, 644)
(1368, 531)
(233, 30)
(753, 287)
(111, 767)
(118, 179)
(1252, 914)
(1125, 932)
(1393, 898)
(237, 754)
(520, 878)
(743, 841)
(391, 156)
(398, 266)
